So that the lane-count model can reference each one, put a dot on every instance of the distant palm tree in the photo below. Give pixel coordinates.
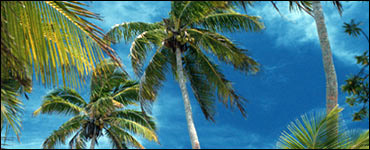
(353, 29)
(106, 111)
(357, 86)
(185, 41)
(321, 131)
(41, 38)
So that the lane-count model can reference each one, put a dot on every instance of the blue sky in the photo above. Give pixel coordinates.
(291, 81)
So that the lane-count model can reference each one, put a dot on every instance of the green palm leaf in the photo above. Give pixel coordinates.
(48, 36)
(59, 136)
(128, 31)
(320, 131)
(63, 100)
(230, 22)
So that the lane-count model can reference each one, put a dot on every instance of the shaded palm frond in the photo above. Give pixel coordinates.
(127, 138)
(224, 49)
(244, 4)
(105, 77)
(11, 108)
(225, 92)
(153, 77)
(296, 5)
(203, 94)
(339, 7)
(117, 142)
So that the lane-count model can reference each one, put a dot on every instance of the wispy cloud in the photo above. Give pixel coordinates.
(299, 28)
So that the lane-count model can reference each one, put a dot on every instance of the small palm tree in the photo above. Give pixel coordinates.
(353, 29)
(183, 42)
(106, 113)
(321, 131)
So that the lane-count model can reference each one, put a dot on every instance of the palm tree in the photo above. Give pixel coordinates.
(320, 131)
(106, 113)
(182, 42)
(357, 86)
(353, 29)
(42, 38)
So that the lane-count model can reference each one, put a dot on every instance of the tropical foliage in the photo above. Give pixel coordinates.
(357, 86)
(11, 105)
(322, 131)
(51, 36)
(42, 38)
(106, 113)
(182, 43)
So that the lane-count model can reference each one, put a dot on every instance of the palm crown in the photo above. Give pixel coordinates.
(193, 27)
(110, 92)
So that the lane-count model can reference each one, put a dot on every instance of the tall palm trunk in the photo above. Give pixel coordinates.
(330, 75)
(189, 116)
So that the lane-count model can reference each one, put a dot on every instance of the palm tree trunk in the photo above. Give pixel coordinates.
(92, 145)
(330, 75)
(189, 117)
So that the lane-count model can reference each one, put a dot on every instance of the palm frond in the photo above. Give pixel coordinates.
(63, 100)
(224, 49)
(105, 77)
(143, 130)
(135, 116)
(48, 34)
(127, 138)
(191, 11)
(102, 105)
(244, 4)
(128, 30)
(11, 108)
(217, 81)
(153, 77)
(296, 6)
(230, 22)
(142, 44)
(127, 93)
(59, 136)
(116, 140)
(359, 140)
(203, 94)
(318, 130)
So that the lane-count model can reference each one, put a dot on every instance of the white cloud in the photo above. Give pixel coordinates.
(299, 28)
